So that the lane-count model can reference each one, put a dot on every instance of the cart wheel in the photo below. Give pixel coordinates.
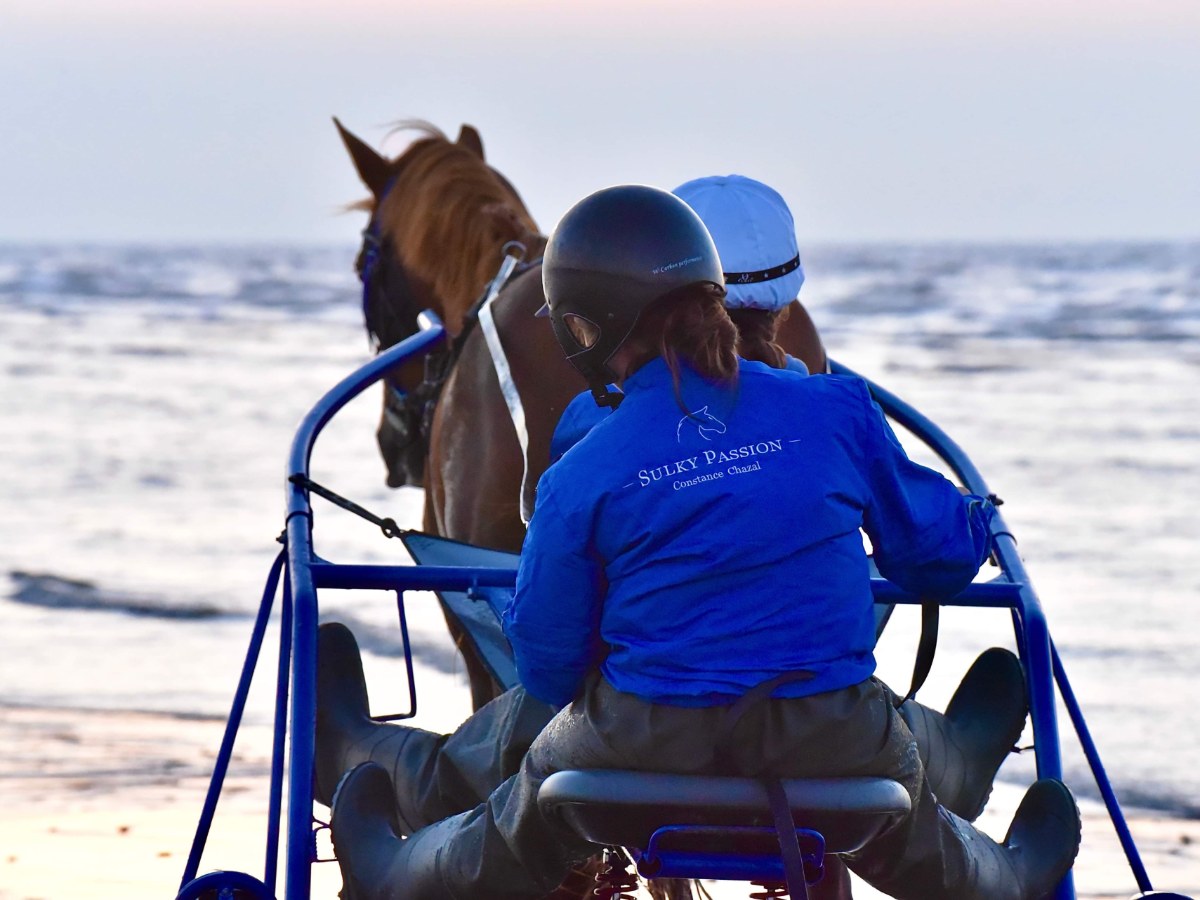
(225, 886)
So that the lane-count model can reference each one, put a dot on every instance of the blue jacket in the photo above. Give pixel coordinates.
(695, 556)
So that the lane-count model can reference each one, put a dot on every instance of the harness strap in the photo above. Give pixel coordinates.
(926, 649)
(508, 387)
(410, 413)
(789, 843)
(387, 525)
(752, 697)
(781, 810)
(927, 644)
(369, 256)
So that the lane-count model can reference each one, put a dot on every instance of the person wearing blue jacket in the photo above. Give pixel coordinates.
(680, 515)
(755, 236)
(694, 546)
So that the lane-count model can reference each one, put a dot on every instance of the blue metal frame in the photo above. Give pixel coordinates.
(231, 727)
(657, 862)
(306, 572)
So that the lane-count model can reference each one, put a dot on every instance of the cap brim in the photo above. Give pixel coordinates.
(544, 312)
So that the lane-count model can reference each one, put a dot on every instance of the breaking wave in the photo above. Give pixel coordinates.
(56, 592)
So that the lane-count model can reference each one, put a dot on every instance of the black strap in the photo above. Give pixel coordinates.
(763, 274)
(756, 694)
(781, 811)
(926, 649)
(410, 412)
(387, 525)
(789, 843)
(603, 396)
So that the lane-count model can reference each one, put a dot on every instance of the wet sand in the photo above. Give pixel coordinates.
(103, 804)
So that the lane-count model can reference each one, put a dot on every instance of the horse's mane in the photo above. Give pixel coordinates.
(447, 215)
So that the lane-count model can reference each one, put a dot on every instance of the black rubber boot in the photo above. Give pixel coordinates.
(376, 863)
(963, 749)
(1038, 850)
(434, 776)
(346, 734)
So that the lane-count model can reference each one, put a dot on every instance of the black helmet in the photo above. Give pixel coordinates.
(613, 254)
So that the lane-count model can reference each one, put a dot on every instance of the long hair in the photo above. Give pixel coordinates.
(756, 335)
(691, 324)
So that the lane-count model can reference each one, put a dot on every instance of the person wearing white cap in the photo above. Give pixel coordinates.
(755, 236)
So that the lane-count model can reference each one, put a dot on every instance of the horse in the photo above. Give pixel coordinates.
(441, 219)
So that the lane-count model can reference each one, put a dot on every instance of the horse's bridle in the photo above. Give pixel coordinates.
(390, 309)
(380, 274)
(408, 413)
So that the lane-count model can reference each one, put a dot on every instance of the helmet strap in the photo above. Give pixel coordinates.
(603, 396)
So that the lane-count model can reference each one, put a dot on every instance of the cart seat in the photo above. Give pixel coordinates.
(714, 824)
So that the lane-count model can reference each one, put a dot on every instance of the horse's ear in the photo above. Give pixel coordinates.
(468, 137)
(373, 169)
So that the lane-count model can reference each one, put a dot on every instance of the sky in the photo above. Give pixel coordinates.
(925, 120)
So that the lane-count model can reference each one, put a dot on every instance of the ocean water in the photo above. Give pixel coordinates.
(148, 396)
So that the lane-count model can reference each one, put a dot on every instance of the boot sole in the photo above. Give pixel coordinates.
(1047, 822)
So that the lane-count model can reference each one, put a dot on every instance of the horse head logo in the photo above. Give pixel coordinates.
(704, 421)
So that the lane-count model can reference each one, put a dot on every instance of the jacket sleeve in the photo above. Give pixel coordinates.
(928, 538)
(553, 623)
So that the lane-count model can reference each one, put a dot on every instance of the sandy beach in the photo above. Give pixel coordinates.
(104, 804)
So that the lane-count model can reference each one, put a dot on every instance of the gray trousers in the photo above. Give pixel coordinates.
(505, 848)
(437, 776)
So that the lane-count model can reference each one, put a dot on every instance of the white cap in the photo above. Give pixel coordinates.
(755, 237)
